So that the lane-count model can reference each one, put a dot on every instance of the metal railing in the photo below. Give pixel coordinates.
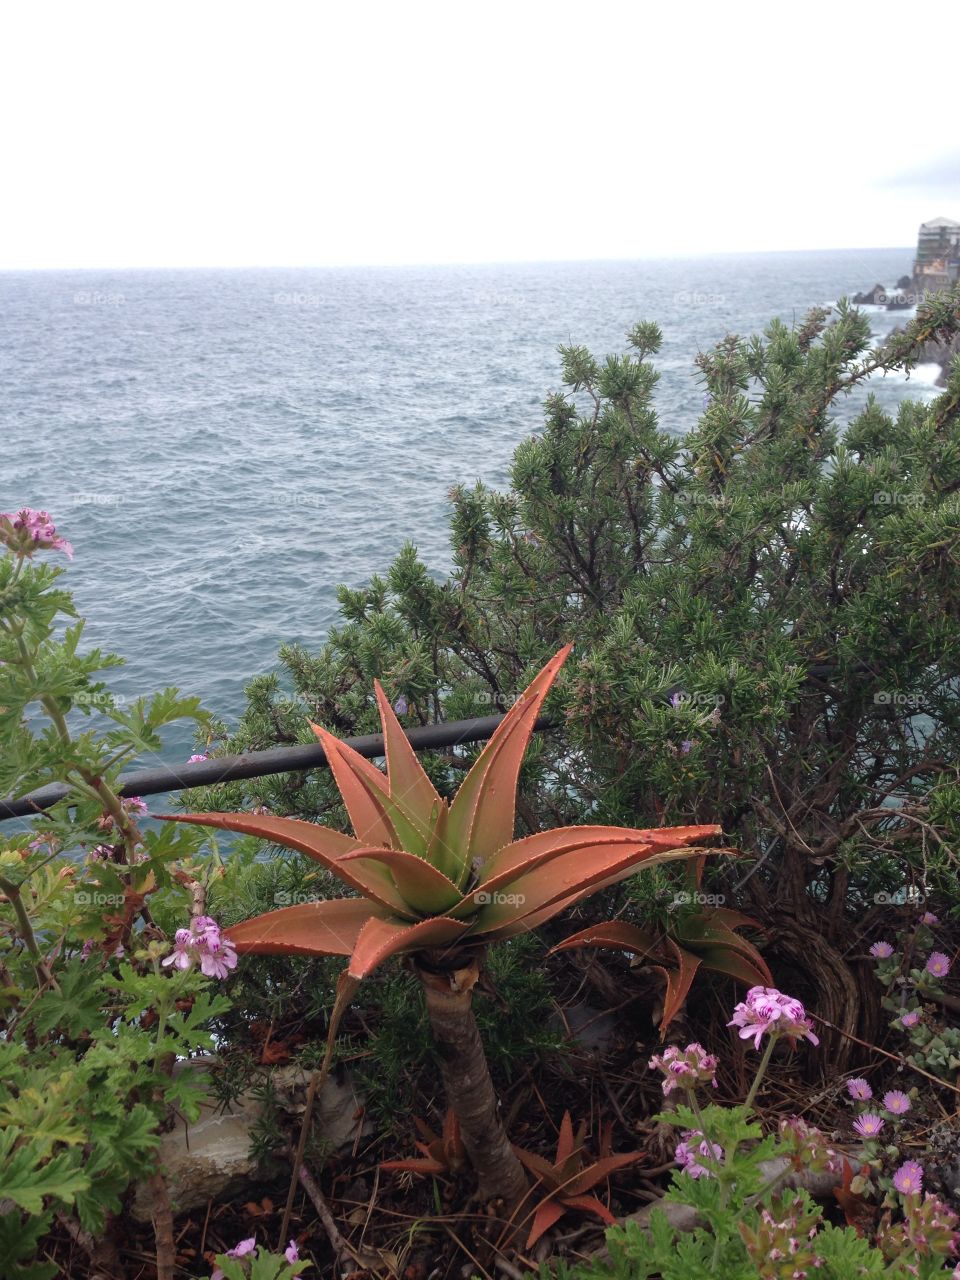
(259, 764)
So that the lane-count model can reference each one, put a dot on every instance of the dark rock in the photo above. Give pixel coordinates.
(876, 297)
(905, 282)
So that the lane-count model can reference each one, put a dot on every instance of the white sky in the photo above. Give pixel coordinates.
(221, 134)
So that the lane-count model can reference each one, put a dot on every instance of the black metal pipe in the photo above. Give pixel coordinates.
(258, 764)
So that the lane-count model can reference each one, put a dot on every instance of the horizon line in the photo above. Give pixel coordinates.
(486, 262)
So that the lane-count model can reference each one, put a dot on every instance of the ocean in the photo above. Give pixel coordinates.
(224, 448)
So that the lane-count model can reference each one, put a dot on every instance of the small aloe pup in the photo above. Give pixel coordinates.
(440, 881)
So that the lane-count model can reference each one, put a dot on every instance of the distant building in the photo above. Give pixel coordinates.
(937, 264)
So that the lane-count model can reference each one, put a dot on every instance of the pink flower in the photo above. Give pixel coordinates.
(197, 759)
(685, 1069)
(768, 1011)
(868, 1125)
(909, 1178)
(910, 1018)
(134, 804)
(238, 1251)
(929, 918)
(938, 964)
(182, 954)
(881, 950)
(896, 1102)
(686, 1156)
(203, 943)
(859, 1089)
(28, 531)
(291, 1252)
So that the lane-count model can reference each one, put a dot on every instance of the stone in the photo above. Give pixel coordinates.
(211, 1157)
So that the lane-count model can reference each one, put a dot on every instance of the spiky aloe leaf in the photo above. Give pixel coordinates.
(311, 928)
(422, 886)
(482, 813)
(564, 879)
(750, 970)
(601, 1169)
(679, 979)
(380, 939)
(377, 818)
(322, 844)
(590, 1204)
(548, 1213)
(524, 855)
(617, 935)
(407, 779)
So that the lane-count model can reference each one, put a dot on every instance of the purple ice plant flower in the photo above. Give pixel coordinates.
(908, 1179)
(767, 1011)
(881, 950)
(859, 1089)
(937, 964)
(685, 1068)
(910, 1018)
(868, 1125)
(896, 1102)
(401, 706)
(929, 918)
(688, 1151)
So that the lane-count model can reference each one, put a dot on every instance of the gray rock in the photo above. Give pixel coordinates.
(211, 1157)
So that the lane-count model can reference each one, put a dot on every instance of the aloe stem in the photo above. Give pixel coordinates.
(468, 1086)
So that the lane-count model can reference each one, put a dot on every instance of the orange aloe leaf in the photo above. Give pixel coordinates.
(421, 885)
(679, 981)
(376, 818)
(751, 970)
(602, 1169)
(408, 781)
(618, 935)
(543, 1169)
(322, 844)
(564, 878)
(311, 928)
(589, 1204)
(532, 851)
(380, 939)
(548, 1213)
(482, 813)
(565, 1143)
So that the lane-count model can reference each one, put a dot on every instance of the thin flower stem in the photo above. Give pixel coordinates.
(761, 1070)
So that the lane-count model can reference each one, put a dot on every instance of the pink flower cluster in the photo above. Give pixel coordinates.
(685, 1068)
(245, 1247)
(785, 1247)
(203, 943)
(767, 1011)
(26, 531)
(689, 1151)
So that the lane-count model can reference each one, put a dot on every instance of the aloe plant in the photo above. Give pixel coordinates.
(440, 881)
(565, 1183)
(702, 938)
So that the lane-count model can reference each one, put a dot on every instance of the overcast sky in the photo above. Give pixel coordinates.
(218, 134)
